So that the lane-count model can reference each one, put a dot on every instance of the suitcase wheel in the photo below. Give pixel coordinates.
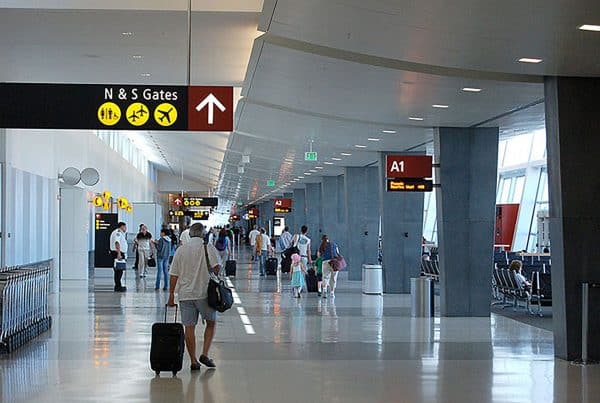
(157, 373)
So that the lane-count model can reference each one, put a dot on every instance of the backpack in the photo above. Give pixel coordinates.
(219, 296)
(220, 244)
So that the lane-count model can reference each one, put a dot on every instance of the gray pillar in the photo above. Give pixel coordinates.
(330, 211)
(402, 233)
(313, 213)
(468, 159)
(361, 195)
(299, 210)
(289, 218)
(342, 240)
(573, 128)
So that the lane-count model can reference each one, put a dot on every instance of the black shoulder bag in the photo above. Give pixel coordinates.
(220, 297)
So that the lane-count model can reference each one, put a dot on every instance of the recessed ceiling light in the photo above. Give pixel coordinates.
(328, 163)
(359, 146)
(589, 27)
(145, 74)
(471, 89)
(318, 167)
(127, 33)
(415, 118)
(136, 56)
(346, 154)
(389, 131)
(530, 60)
(336, 159)
(440, 106)
(307, 173)
(373, 139)
(289, 160)
(313, 170)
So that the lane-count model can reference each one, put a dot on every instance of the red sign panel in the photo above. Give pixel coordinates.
(210, 109)
(283, 203)
(408, 166)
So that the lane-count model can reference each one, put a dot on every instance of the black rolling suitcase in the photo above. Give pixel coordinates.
(311, 281)
(230, 268)
(271, 268)
(167, 347)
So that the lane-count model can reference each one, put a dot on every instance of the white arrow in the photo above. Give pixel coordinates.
(211, 101)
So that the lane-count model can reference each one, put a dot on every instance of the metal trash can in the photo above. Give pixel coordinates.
(421, 291)
(372, 279)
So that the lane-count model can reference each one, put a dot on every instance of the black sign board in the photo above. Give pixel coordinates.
(176, 213)
(104, 224)
(198, 215)
(409, 185)
(282, 210)
(200, 202)
(93, 106)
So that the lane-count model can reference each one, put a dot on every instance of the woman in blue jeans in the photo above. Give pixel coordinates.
(163, 251)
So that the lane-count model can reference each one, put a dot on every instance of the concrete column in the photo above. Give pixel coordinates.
(330, 211)
(402, 233)
(298, 210)
(361, 195)
(313, 212)
(342, 239)
(572, 126)
(468, 159)
(289, 218)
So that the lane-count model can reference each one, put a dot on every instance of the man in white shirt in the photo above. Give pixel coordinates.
(302, 242)
(286, 238)
(184, 237)
(118, 251)
(253, 234)
(190, 275)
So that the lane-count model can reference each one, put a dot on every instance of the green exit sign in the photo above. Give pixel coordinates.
(271, 184)
(310, 156)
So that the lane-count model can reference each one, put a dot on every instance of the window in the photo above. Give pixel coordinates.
(538, 147)
(519, 184)
(518, 149)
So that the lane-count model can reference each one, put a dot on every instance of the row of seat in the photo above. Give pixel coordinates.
(430, 268)
(505, 287)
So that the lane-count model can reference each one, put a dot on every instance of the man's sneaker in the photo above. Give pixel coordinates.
(207, 362)
(195, 367)
(122, 289)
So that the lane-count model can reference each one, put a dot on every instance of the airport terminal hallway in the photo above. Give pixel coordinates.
(274, 348)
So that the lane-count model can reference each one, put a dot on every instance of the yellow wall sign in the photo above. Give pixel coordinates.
(137, 114)
(165, 114)
(122, 202)
(98, 201)
(129, 209)
(107, 206)
(106, 194)
(109, 114)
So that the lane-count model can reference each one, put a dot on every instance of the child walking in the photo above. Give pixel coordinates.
(298, 273)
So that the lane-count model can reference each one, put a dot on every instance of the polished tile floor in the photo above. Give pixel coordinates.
(274, 348)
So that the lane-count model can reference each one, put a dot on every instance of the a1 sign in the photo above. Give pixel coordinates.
(408, 166)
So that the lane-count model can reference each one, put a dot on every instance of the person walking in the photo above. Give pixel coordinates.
(223, 246)
(285, 238)
(302, 242)
(253, 234)
(190, 275)
(327, 251)
(118, 251)
(163, 251)
(298, 272)
(184, 237)
(262, 248)
(145, 249)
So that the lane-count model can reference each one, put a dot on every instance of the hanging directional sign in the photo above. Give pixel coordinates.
(409, 185)
(118, 107)
(200, 202)
(270, 183)
(408, 166)
(310, 156)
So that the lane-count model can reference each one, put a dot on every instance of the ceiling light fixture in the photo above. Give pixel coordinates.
(336, 159)
(530, 60)
(145, 74)
(373, 139)
(590, 27)
(136, 56)
(328, 163)
(301, 177)
(359, 146)
(307, 173)
(127, 33)
(346, 154)
(313, 170)
(318, 167)
(389, 131)
(440, 106)
(415, 118)
(471, 89)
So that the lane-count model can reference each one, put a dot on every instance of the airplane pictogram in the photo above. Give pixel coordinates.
(165, 115)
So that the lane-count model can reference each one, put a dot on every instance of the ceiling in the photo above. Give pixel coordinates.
(314, 73)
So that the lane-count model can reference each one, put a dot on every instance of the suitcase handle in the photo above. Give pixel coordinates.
(167, 309)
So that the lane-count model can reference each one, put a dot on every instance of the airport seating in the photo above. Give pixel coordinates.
(541, 291)
(505, 288)
(430, 268)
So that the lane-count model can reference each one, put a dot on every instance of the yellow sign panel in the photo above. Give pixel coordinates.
(122, 202)
(98, 201)
(106, 205)
(109, 114)
(129, 209)
(137, 114)
(106, 194)
(165, 114)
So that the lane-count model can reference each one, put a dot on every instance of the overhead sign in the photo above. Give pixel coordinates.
(282, 210)
(200, 202)
(409, 185)
(310, 156)
(270, 183)
(178, 201)
(408, 166)
(197, 215)
(119, 107)
(252, 213)
(176, 213)
(285, 203)
(105, 224)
